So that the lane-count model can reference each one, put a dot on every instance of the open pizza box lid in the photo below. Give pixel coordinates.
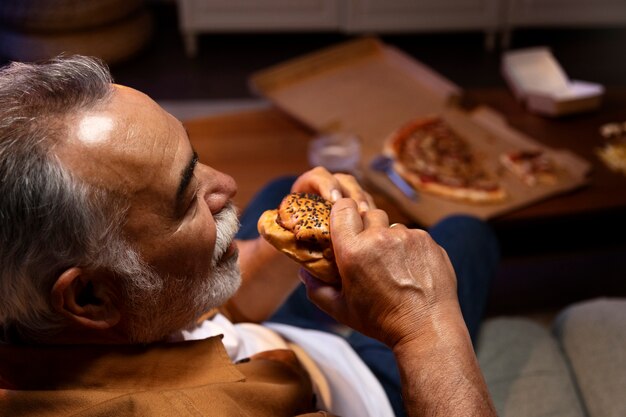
(536, 78)
(362, 87)
(370, 89)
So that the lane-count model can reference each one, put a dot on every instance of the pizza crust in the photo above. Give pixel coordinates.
(393, 148)
(531, 167)
(454, 193)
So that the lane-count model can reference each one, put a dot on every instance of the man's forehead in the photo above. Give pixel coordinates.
(123, 142)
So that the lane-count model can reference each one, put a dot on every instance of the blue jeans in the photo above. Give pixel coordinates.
(473, 251)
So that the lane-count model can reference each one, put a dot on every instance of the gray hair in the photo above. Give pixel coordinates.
(49, 219)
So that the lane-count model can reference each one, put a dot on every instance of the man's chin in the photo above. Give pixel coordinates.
(195, 298)
(223, 284)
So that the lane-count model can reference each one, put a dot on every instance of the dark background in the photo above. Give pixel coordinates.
(225, 61)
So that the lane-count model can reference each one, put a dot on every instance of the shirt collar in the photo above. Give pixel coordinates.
(162, 365)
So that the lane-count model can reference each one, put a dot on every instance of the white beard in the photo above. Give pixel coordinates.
(183, 298)
(224, 277)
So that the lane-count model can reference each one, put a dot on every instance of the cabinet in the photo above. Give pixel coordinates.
(350, 16)
(197, 16)
(389, 16)
(419, 15)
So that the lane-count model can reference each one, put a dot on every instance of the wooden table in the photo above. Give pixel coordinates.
(578, 133)
(571, 247)
(589, 218)
(257, 145)
(556, 251)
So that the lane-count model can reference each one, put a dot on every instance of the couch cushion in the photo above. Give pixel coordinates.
(593, 337)
(525, 370)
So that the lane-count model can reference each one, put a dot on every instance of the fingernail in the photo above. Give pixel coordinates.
(363, 206)
(335, 195)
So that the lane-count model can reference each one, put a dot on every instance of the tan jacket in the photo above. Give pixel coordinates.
(176, 379)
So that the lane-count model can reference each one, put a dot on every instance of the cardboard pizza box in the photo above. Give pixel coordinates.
(538, 80)
(360, 87)
(370, 89)
(490, 136)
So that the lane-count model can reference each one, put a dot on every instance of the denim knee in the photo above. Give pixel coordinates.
(467, 232)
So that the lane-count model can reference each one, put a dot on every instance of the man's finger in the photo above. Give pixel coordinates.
(345, 221)
(375, 218)
(318, 181)
(350, 187)
(321, 294)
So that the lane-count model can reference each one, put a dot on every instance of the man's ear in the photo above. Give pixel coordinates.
(85, 299)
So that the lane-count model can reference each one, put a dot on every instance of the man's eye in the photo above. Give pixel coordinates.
(193, 202)
(189, 204)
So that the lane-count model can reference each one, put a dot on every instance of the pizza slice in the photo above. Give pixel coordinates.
(531, 166)
(433, 158)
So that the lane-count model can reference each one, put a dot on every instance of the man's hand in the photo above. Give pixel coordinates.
(399, 287)
(393, 279)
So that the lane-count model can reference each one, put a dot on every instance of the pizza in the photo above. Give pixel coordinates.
(531, 166)
(435, 159)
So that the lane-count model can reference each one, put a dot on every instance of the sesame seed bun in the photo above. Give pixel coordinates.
(300, 228)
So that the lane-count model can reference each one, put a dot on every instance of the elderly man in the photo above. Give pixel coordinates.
(115, 242)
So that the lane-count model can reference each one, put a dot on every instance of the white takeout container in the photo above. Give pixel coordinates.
(538, 81)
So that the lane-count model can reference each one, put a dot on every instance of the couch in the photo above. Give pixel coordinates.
(577, 368)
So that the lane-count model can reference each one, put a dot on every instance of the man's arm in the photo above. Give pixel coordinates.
(440, 375)
(399, 287)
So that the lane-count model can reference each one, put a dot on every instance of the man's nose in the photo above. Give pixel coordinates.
(222, 187)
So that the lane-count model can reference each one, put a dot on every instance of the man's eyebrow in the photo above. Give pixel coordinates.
(185, 177)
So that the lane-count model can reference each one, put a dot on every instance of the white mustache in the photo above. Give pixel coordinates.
(227, 225)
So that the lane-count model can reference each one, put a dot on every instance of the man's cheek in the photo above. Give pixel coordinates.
(186, 256)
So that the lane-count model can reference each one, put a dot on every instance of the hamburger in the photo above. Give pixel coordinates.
(300, 228)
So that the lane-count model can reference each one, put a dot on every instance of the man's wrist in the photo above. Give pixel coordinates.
(439, 370)
(442, 325)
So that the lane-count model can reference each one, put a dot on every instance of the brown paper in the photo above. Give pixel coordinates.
(489, 136)
(370, 89)
(360, 87)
